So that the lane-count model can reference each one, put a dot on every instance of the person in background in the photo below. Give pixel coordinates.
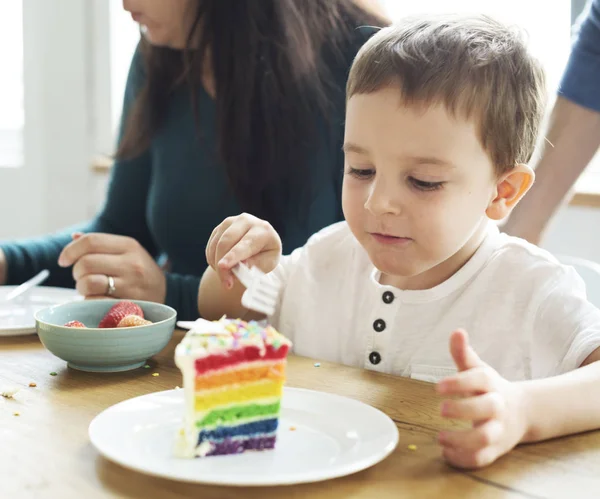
(573, 136)
(229, 105)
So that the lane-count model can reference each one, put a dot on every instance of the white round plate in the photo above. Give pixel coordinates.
(320, 436)
(17, 316)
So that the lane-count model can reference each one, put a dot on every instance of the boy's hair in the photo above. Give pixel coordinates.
(476, 67)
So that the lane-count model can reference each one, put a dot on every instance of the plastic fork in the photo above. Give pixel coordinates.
(261, 293)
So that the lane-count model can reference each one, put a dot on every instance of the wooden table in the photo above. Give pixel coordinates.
(45, 451)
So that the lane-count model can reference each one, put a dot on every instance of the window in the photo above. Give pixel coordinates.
(46, 113)
(117, 36)
(124, 37)
(547, 24)
(12, 117)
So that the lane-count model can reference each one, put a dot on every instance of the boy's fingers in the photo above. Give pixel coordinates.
(463, 354)
(473, 381)
(229, 238)
(466, 459)
(251, 244)
(473, 439)
(479, 408)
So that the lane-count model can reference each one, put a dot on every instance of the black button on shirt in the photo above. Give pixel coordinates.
(379, 325)
(388, 297)
(374, 358)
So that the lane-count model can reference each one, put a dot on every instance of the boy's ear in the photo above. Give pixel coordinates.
(511, 187)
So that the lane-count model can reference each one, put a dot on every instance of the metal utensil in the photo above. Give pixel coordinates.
(27, 285)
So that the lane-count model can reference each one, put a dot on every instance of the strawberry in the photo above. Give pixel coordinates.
(74, 324)
(133, 320)
(118, 311)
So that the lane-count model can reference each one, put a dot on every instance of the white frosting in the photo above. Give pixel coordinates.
(203, 449)
(208, 338)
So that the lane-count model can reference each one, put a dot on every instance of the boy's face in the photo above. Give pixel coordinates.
(417, 184)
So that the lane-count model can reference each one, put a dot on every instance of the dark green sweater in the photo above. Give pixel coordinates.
(172, 197)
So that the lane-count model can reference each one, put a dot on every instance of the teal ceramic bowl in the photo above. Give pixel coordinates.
(104, 350)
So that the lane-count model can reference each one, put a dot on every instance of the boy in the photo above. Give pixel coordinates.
(442, 117)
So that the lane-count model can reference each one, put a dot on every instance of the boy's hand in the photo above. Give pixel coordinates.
(494, 405)
(243, 238)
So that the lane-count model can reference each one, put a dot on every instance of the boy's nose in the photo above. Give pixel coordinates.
(383, 199)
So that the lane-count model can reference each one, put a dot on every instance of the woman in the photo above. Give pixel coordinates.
(230, 105)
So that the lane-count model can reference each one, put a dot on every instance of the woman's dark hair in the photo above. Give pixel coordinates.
(270, 63)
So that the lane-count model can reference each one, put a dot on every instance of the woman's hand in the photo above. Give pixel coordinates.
(96, 256)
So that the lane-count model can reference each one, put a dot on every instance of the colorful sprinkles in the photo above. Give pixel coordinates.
(53, 374)
(232, 333)
(155, 374)
(412, 447)
(317, 364)
(32, 385)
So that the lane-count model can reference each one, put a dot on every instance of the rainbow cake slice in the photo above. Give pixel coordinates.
(233, 375)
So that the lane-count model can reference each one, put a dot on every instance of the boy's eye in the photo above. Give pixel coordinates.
(423, 185)
(361, 173)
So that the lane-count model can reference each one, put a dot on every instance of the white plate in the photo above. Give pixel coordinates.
(17, 316)
(333, 436)
(185, 324)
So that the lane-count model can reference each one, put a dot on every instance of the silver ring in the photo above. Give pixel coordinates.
(111, 286)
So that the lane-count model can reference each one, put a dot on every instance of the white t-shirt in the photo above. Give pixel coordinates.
(526, 314)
